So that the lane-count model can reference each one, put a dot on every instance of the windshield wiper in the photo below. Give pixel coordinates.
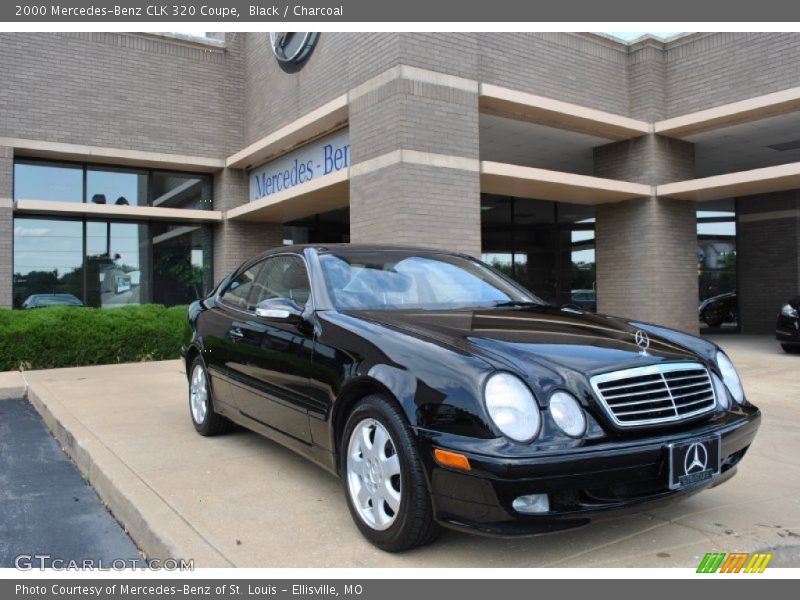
(513, 303)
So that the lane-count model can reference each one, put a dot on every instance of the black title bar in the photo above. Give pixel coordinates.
(452, 11)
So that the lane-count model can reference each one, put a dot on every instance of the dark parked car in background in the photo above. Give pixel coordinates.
(442, 393)
(42, 300)
(718, 310)
(585, 299)
(787, 329)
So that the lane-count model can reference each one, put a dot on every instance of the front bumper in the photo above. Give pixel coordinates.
(787, 330)
(582, 484)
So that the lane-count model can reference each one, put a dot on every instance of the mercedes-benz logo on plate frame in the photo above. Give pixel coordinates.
(292, 48)
(696, 459)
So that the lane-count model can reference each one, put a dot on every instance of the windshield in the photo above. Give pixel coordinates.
(388, 280)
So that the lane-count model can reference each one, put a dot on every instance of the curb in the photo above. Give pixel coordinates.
(145, 516)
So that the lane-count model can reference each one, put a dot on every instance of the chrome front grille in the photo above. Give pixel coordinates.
(663, 393)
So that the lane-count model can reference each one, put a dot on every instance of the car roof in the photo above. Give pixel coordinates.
(344, 247)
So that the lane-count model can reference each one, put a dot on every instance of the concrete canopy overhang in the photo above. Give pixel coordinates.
(744, 183)
(544, 184)
(734, 113)
(523, 106)
(115, 212)
(325, 119)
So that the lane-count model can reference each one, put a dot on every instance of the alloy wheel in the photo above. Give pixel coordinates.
(198, 394)
(373, 474)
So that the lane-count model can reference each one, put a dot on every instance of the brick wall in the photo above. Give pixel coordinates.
(236, 241)
(415, 204)
(709, 69)
(122, 90)
(646, 250)
(6, 226)
(768, 256)
(646, 253)
(648, 159)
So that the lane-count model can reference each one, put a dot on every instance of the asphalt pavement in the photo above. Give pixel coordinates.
(47, 508)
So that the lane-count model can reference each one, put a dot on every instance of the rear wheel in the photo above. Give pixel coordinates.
(791, 348)
(383, 477)
(201, 408)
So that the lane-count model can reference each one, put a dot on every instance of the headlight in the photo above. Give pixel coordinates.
(568, 414)
(512, 407)
(730, 377)
(721, 392)
(787, 310)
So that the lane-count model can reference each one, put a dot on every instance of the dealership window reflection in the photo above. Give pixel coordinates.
(111, 263)
(716, 264)
(110, 186)
(547, 247)
(48, 259)
(115, 256)
(48, 181)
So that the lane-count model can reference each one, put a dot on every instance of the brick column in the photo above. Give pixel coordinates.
(236, 241)
(646, 250)
(768, 256)
(6, 226)
(415, 176)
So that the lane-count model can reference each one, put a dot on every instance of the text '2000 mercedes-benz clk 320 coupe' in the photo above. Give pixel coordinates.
(442, 393)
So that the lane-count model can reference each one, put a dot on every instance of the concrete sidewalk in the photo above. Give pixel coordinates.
(242, 500)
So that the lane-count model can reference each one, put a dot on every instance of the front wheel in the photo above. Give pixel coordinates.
(791, 348)
(383, 477)
(201, 408)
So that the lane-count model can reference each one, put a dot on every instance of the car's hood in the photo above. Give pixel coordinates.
(551, 337)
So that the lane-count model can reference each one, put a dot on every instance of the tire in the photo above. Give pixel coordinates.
(201, 406)
(712, 319)
(370, 473)
(791, 348)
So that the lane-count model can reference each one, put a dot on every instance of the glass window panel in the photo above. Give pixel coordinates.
(48, 181)
(116, 186)
(175, 190)
(48, 262)
(240, 291)
(181, 263)
(117, 259)
(547, 247)
(716, 264)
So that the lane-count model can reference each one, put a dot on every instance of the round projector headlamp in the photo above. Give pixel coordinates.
(568, 414)
(512, 407)
(730, 377)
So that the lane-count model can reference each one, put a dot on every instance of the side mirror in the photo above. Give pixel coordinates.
(279, 309)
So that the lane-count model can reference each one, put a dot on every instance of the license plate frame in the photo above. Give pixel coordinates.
(685, 470)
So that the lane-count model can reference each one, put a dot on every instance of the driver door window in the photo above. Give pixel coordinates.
(240, 293)
(283, 277)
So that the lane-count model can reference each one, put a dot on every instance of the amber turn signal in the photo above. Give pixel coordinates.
(454, 460)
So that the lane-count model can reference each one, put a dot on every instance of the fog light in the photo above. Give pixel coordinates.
(535, 503)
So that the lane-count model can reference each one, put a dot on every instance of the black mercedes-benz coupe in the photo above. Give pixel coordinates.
(787, 328)
(442, 393)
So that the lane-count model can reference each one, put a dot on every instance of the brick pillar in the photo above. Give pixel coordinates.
(646, 249)
(6, 225)
(768, 257)
(236, 241)
(415, 177)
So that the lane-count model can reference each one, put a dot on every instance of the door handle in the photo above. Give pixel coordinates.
(236, 334)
